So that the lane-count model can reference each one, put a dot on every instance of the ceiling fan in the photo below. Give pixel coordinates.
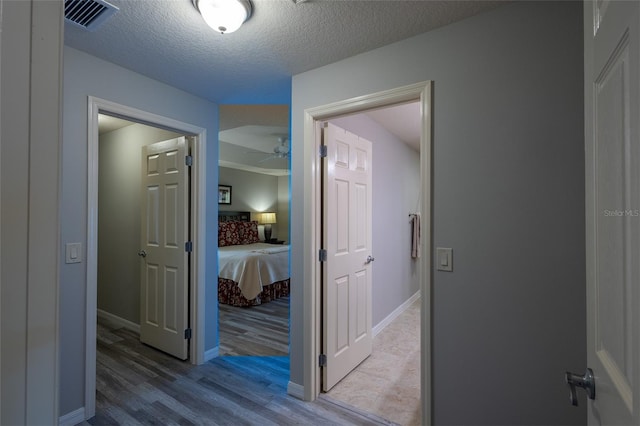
(279, 151)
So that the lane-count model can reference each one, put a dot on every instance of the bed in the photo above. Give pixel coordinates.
(250, 272)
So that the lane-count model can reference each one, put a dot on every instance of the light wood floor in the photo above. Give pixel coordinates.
(138, 385)
(388, 382)
(256, 330)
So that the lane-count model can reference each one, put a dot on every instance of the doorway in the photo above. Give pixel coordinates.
(254, 165)
(121, 289)
(387, 383)
(197, 219)
(421, 92)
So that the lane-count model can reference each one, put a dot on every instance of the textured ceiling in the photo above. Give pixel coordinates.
(167, 39)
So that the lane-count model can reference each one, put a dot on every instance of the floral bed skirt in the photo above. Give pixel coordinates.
(229, 293)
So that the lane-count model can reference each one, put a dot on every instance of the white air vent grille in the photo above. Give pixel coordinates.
(88, 14)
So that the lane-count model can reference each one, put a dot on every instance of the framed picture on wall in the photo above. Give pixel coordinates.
(224, 194)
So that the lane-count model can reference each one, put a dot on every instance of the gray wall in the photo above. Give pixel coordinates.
(396, 192)
(119, 217)
(85, 75)
(254, 192)
(508, 198)
(250, 191)
(281, 229)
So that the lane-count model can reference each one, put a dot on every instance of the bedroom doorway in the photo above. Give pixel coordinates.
(108, 206)
(254, 167)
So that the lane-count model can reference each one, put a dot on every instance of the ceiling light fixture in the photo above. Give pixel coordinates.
(224, 16)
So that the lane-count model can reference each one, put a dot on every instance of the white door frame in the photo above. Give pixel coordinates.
(198, 260)
(421, 92)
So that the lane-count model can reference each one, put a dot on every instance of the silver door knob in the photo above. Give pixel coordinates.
(142, 253)
(586, 382)
(369, 260)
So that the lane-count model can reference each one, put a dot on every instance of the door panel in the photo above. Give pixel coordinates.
(362, 290)
(153, 208)
(151, 296)
(612, 283)
(612, 46)
(342, 314)
(347, 208)
(172, 227)
(164, 271)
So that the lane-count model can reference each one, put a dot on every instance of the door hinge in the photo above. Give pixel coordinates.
(323, 151)
(188, 160)
(188, 246)
(187, 333)
(322, 255)
(322, 360)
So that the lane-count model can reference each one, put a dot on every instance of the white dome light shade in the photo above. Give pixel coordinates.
(224, 16)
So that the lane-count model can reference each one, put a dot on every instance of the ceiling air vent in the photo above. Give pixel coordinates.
(88, 14)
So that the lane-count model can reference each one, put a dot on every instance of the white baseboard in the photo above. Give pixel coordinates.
(295, 390)
(114, 319)
(72, 418)
(211, 354)
(395, 314)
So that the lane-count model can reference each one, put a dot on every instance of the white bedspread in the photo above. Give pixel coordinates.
(253, 266)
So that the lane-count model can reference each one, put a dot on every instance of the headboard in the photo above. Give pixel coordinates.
(228, 216)
(236, 228)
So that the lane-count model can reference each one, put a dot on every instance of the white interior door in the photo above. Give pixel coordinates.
(347, 274)
(164, 257)
(612, 209)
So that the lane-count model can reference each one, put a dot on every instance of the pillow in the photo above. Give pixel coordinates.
(248, 232)
(228, 234)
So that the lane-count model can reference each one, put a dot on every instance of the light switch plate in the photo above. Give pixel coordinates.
(444, 259)
(73, 253)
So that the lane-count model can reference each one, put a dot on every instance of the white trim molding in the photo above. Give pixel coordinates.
(212, 353)
(198, 261)
(395, 314)
(73, 418)
(118, 321)
(31, 146)
(312, 324)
